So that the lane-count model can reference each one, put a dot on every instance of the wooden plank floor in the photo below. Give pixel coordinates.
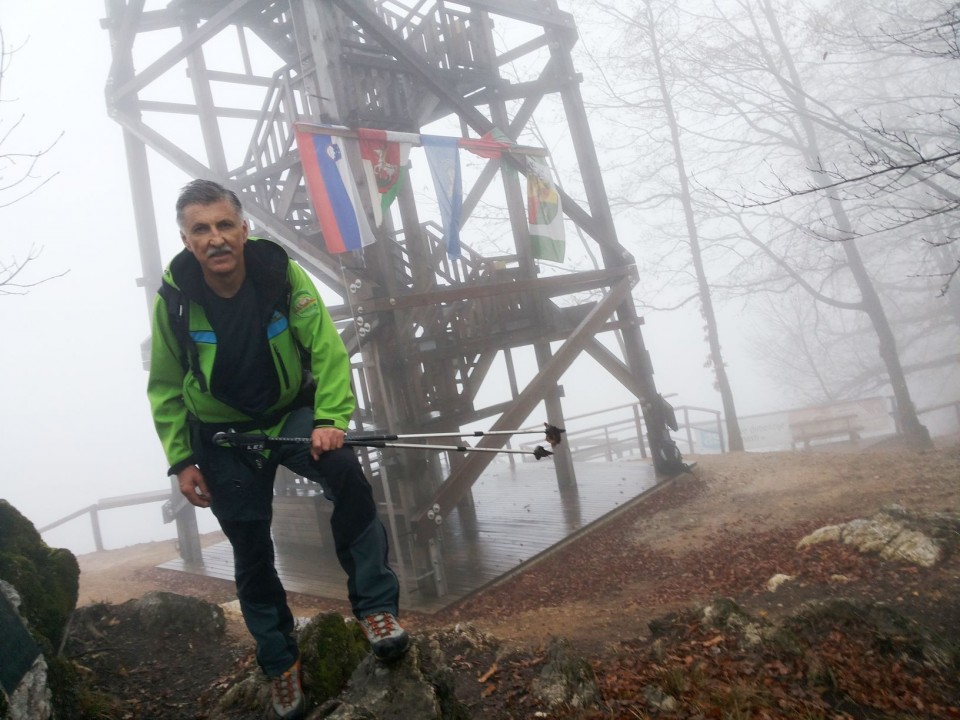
(519, 514)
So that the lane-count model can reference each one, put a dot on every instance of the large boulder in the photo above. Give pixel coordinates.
(331, 649)
(23, 670)
(38, 593)
(159, 610)
(47, 579)
(395, 691)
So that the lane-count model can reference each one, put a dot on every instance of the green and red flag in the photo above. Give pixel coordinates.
(385, 157)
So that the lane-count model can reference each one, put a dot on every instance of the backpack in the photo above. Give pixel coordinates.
(178, 313)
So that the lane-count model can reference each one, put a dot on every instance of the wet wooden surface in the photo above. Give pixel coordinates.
(518, 514)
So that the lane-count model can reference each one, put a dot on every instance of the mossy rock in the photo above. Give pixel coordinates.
(893, 633)
(47, 579)
(331, 649)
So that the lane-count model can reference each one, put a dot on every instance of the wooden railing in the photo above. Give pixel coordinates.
(610, 434)
(712, 427)
(175, 509)
(112, 503)
(955, 404)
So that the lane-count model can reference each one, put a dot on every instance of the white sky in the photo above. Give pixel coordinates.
(74, 420)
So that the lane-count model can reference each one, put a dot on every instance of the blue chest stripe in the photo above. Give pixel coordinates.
(277, 325)
(204, 336)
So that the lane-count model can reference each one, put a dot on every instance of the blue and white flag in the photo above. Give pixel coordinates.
(443, 157)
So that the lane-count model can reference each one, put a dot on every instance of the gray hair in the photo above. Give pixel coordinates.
(205, 192)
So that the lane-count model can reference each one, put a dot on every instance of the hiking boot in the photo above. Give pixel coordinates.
(289, 702)
(387, 639)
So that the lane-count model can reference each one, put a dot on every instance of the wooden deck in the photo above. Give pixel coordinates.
(519, 515)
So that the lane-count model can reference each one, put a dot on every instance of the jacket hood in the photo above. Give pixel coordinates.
(264, 260)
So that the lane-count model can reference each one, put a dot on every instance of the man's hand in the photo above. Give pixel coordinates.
(193, 486)
(323, 439)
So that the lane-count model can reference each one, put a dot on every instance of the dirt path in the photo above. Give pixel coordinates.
(733, 494)
(719, 532)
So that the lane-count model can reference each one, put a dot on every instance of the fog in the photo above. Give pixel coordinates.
(74, 421)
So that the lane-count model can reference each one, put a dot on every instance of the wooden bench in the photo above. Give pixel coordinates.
(824, 428)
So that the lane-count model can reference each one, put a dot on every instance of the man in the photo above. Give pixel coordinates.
(238, 330)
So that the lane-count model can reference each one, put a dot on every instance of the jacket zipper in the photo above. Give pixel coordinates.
(283, 368)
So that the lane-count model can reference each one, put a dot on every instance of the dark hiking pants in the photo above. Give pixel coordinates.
(242, 500)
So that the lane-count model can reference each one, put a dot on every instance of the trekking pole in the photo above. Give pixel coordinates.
(552, 432)
(247, 441)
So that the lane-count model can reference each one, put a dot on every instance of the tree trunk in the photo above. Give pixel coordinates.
(734, 438)
(908, 423)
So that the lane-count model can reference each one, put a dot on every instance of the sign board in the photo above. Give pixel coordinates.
(767, 432)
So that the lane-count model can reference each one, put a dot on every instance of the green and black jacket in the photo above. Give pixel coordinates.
(297, 326)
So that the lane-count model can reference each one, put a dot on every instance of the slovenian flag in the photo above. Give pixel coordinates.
(385, 155)
(443, 157)
(333, 191)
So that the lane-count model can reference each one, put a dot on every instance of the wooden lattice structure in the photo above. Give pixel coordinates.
(424, 330)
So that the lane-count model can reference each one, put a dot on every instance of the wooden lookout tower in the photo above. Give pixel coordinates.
(438, 343)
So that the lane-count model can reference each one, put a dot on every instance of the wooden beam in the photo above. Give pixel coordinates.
(549, 287)
(537, 13)
(177, 53)
(456, 486)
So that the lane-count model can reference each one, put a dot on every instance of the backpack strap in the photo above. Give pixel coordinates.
(178, 314)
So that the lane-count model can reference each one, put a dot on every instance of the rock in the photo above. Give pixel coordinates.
(331, 648)
(777, 580)
(659, 700)
(567, 678)
(381, 691)
(829, 533)
(32, 699)
(232, 609)
(345, 682)
(725, 614)
(251, 696)
(913, 547)
(47, 579)
(160, 611)
(894, 633)
(894, 534)
(23, 670)
(39, 585)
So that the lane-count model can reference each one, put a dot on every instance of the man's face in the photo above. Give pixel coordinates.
(215, 234)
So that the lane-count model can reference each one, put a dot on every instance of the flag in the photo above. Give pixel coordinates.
(443, 157)
(333, 191)
(489, 146)
(543, 213)
(385, 155)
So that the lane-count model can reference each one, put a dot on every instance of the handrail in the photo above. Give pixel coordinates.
(110, 503)
(620, 436)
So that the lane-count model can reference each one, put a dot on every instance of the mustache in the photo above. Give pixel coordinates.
(217, 251)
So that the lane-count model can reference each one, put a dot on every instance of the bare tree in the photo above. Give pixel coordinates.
(753, 107)
(905, 147)
(645, 25)
(774, 56)
(18, 179)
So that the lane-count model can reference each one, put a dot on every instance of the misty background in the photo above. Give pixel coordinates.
(74, 420)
